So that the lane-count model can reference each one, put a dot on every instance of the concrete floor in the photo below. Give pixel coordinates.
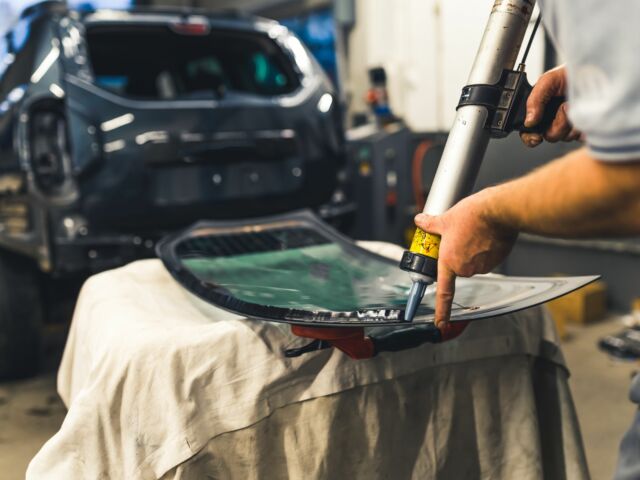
(30, 413)
(600, 388)
(30, 410)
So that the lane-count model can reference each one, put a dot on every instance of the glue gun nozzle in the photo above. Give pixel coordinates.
(415, 297)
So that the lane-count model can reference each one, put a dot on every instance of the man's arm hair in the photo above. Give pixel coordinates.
(573, 196)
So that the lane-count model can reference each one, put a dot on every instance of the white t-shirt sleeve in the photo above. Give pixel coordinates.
(600, 43)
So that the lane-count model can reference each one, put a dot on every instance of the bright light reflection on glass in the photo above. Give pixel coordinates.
(325, 102)
(152, 137)
(45, 65)
(114, 146)
(117, 122)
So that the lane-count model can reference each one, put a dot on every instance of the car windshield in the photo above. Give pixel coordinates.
(297, 269)
(161, 62)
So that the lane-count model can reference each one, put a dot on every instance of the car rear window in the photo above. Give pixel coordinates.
(156, 62)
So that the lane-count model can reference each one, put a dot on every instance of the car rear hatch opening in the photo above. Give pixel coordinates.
(181, 61)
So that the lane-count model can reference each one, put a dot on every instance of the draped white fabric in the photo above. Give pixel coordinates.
(162, 385)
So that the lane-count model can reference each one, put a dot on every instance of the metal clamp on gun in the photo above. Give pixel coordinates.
(492, 105)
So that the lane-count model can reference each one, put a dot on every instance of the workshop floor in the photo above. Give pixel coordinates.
(600, 388)
(30, 410)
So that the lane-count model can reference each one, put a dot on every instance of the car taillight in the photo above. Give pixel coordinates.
(190, 28)
(49, 150)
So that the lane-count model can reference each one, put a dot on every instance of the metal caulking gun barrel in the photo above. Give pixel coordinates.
(490, 104)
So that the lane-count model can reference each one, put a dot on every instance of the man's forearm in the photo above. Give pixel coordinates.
(573, 196)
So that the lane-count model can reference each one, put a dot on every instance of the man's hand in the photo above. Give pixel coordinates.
(471, 243)
(551, 84)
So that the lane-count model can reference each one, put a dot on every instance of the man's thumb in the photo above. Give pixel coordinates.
(428, 223)
(531, 119)
(540, 95)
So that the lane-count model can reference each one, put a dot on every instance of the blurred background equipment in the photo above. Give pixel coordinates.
(378, 97)
(380, 175)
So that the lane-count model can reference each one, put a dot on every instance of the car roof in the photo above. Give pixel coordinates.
(136, 15)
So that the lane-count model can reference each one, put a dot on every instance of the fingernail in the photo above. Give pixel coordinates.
(529, 117)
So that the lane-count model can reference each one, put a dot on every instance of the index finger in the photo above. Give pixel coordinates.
(531, 139)
(560, 126)
(445, 289)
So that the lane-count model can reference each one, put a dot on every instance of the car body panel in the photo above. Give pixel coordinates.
(141, 167)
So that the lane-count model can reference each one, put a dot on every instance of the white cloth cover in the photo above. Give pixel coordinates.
(160, 384)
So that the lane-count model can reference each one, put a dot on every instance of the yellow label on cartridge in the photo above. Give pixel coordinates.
(425, 243)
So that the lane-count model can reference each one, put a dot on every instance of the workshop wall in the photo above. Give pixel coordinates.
(427, 48)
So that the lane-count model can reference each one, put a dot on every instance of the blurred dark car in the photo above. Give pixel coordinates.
(117, 127)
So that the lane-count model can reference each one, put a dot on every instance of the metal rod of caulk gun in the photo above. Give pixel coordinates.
(467, 140)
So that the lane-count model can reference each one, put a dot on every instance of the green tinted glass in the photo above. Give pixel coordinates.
(298, 270)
